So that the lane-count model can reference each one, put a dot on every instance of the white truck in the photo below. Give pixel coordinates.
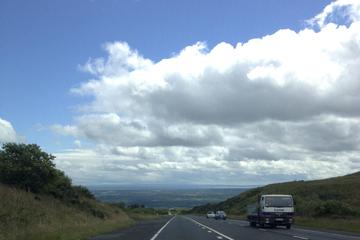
(272, 210)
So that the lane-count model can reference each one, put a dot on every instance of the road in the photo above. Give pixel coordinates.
(200, 228)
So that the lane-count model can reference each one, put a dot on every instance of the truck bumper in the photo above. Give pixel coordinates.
(277, 221)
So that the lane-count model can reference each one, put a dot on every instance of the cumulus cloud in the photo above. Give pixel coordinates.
(344, 11)
(7, 132)
(284, 105)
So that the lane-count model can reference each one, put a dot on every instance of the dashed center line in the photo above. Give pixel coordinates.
(211, 229)
(219, 237)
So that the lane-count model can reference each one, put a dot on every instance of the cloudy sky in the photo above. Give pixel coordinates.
(212, 92)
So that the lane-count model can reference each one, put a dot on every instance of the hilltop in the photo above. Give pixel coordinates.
(332, 199)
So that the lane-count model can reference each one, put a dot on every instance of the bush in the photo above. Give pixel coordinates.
(27, 167)
(84, 192)
(334, 208)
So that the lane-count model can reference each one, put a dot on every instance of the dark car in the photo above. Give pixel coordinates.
(220, 215)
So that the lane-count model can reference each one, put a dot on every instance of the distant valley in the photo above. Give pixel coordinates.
(166, 197)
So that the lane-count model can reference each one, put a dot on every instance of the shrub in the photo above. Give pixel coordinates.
(334, 208)
(26, 166)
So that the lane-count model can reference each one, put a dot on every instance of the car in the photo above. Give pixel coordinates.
(210, 214)
(220, 215)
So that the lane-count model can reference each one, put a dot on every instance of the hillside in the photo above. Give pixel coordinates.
(29, 216)
(38, 201)
(333, 198)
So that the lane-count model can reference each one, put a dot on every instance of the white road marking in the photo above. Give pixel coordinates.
(303, 238)
(221, 234)
(158, 232)
(209, 231)
(261, 229)
(219, 237)
(328, 233)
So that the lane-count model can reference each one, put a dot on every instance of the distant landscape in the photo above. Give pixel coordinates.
(165, 197)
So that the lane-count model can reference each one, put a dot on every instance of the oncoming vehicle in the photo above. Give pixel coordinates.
(220, 215)
(272, 210)
(210, 214)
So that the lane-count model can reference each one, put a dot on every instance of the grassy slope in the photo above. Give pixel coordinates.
(332, 203)
(27, 216)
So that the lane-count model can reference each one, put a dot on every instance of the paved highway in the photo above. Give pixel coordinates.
(200, 228)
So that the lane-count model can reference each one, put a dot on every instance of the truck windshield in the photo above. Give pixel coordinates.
(278, 201)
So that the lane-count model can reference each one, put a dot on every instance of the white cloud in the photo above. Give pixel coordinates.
(345, 11)
(7, 132)
(283, 106)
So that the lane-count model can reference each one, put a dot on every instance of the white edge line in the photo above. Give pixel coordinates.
(330, 233)
(223, 235)
(304, 238)
(158, 232)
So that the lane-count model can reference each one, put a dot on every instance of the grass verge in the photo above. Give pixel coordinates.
(346, 224)
(27, 216)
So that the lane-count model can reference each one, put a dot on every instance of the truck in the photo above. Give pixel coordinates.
(271, 210)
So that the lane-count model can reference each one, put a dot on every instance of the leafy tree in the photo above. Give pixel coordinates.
(26, 166)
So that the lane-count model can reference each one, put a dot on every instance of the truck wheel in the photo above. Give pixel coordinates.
(252, 224)
(288, 226)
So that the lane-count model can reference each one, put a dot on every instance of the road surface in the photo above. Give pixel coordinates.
(200, 228)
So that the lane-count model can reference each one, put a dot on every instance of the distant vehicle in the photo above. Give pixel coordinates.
(272, 210)
(220, 215)
(210, 214)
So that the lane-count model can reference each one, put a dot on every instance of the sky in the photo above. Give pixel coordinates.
(184, 92)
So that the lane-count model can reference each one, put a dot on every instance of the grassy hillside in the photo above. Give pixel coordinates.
(328, 200)
(38, 201)
(28, 216)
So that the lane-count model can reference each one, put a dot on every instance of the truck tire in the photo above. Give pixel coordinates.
(288, 226)
(252, 224)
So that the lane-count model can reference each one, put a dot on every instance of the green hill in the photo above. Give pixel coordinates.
(332, 203)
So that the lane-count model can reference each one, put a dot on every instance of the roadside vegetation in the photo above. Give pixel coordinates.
(39, 202)
(332, 203)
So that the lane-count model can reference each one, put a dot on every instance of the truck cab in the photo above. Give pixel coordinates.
(273, 210)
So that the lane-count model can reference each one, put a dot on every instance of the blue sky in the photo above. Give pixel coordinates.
(43, 45)
(43, 42)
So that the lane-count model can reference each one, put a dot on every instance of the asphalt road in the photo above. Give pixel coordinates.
(200, 228)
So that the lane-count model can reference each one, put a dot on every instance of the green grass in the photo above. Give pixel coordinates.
(139, 214)
(27, 216)
(347, 225)
(332, 203)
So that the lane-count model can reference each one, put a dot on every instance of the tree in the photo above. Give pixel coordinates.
(26, 166)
